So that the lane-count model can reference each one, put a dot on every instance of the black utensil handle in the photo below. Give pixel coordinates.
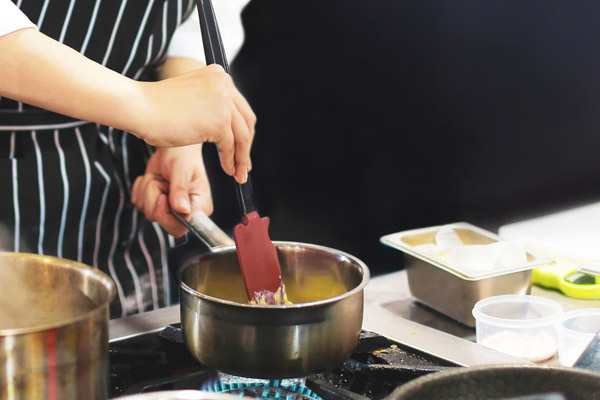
(245, 196)
(211, 36)
(215, 54)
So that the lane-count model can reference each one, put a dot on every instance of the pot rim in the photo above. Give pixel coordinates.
(96, 275)
(221, 249)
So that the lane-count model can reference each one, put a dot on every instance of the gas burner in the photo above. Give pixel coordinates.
(160, 361)
(287, 389)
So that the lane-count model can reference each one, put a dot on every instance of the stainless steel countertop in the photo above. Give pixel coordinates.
(390, 311)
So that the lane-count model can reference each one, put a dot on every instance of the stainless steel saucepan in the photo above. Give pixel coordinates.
(53, 328)
(316, 333)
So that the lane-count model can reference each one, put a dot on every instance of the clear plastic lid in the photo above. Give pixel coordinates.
(517, 311)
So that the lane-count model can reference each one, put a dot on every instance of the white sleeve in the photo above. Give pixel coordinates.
(12, 19)
(187, 39)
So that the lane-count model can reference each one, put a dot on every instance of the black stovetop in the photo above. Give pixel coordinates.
(160, 361)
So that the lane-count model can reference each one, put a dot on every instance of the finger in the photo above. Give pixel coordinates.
(166, 219)
(226, 147)
(242, 148)
(202, 202)
(140, 185)
(141, 194)
(148, 191)
(179, 192)
(246, 112)
(151, 196)
(135, 191)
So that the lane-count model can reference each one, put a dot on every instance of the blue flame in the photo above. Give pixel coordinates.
(287, 389)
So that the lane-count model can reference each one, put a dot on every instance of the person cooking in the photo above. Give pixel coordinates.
(103, 102)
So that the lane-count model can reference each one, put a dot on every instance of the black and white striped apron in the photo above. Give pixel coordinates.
(66, 183)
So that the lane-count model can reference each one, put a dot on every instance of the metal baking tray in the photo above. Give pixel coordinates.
(446, 288)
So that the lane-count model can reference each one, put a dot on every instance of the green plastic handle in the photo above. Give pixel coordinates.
(553, 276)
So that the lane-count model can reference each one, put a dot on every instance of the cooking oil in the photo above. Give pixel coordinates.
(301, 286)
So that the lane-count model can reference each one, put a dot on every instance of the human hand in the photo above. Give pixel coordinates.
(200, 106)
(175, 177)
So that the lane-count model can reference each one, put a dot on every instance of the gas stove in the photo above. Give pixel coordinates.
(160, 361)
(400, 341)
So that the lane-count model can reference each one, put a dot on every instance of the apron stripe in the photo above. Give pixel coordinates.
(42, 14)
(138, 73)
(40, 171)
(138, 37)
(15, 186)
(88, 35)
(67, 20)
(153, 285)
(163, 42)
(65, 177)
(111, 254)
(111, 266)
(114, 32)
(111, 141)
(42, 127)
(86, 197)
(125, 157)
(165, 270)
(136, 279)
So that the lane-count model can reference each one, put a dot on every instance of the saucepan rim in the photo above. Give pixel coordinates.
(222, 249)
(96, 275)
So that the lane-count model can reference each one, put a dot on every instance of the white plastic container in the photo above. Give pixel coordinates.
(519, 325)
(575, 330)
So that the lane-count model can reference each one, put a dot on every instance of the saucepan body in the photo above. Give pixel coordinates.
(53, 328)
(316, 333)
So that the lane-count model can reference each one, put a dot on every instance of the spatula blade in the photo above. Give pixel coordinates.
(258, 259)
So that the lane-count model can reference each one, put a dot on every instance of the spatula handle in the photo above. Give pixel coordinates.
(211, 37)
(245, 196)
(215, 54)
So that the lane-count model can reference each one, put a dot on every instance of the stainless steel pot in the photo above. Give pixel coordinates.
(316, 333)
(53, 328)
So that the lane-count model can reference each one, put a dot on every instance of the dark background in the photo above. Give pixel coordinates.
(380, 116)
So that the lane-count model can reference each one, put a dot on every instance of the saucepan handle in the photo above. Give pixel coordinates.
(205, 229)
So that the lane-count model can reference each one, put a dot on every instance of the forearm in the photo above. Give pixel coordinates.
(38, 70)
(195, 107)
(176, 66)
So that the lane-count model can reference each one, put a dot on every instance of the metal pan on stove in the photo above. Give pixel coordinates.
(316, 333)
(511, 382)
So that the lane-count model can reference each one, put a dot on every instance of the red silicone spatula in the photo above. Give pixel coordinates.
(257, 255)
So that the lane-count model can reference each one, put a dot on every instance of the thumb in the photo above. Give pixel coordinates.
(202, 202)
(179, 193)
